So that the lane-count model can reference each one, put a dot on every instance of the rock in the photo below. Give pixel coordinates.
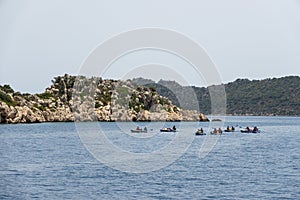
(4, 110)
(143, 116)
(61, 103)
(174, 116)
(203, 118)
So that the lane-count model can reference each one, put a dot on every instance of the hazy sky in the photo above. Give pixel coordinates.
(40, 39)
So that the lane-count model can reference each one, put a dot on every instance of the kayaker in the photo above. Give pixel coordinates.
(215, 130)
(255, 129)
(174, 128)
(220, 130)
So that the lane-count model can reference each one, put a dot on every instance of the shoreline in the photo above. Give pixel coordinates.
(143, 121)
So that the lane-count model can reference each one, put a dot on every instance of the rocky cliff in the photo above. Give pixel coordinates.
(77, 98)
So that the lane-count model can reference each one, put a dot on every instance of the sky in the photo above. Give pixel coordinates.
(41, 39)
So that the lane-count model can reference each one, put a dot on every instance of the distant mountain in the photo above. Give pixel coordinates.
(142, 81)
(276, 96)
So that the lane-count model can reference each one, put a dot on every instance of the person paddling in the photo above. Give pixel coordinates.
(255, 129)
(174, 128)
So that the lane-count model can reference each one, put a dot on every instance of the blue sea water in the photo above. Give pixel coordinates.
(49, 161)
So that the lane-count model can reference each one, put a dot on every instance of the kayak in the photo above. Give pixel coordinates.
(246, 131)
(200, 133)
(249, 131)
(229, 130)
(138, 131)
(216, 133)
(167, 130)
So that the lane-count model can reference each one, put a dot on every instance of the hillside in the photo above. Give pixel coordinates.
(277, 96)
(77, 98)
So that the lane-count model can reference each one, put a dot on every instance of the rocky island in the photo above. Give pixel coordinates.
(78, 98)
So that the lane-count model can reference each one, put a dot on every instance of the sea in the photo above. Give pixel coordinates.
(70, 161)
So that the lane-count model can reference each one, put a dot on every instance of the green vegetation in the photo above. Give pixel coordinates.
(133, 104)
(6, 98)
(277, 96)
(266, 97)
(83, 96)
(40, 107)
(123, 93)
(97, 105)
(6, 89)
(161, 101)
(45, 95)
